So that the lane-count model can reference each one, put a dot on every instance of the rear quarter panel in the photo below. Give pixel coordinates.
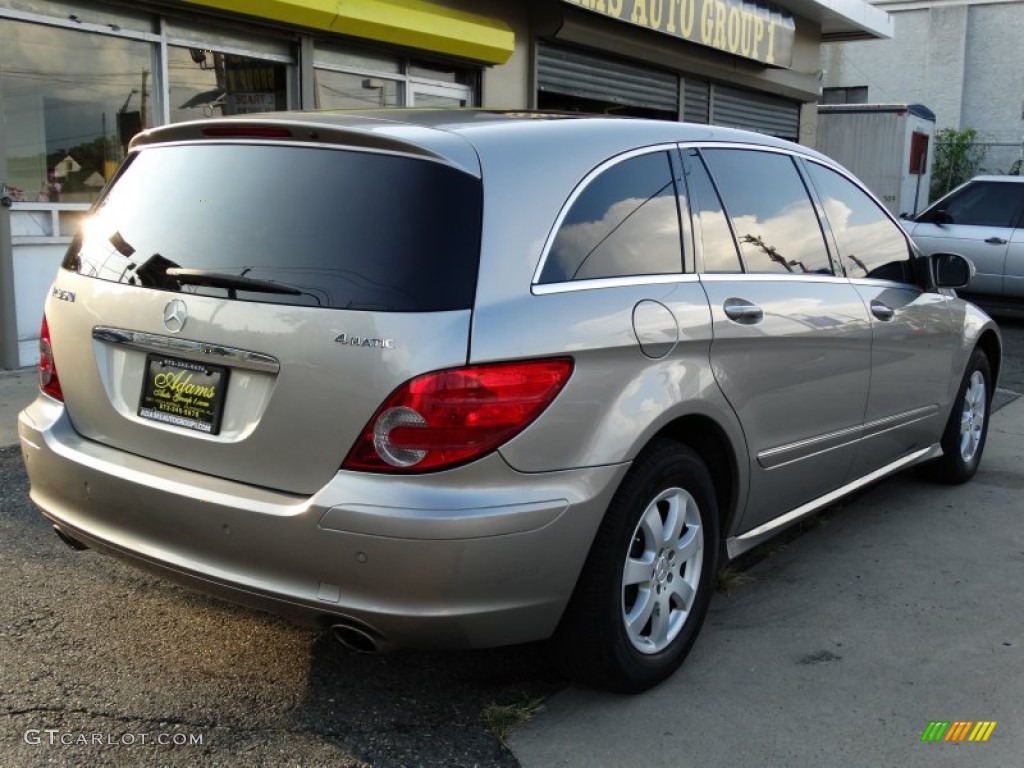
(618, 398)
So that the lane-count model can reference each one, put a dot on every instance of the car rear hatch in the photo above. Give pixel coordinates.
(241, 305)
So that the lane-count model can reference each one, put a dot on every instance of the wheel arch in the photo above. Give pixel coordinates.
(990, 344)
(709, 440)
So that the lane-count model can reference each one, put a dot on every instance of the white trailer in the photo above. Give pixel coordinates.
(887, 146)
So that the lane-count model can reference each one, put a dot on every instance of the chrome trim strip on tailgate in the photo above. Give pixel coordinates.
(191, 350)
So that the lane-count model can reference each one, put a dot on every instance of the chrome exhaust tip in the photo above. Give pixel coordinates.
(75, 544)
(355, 639)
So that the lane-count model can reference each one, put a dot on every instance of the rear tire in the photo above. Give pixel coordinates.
(964, 438)
(644, 590)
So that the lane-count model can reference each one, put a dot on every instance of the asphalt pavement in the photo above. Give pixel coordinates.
(17, 389)
(902, 607)
(899, 608)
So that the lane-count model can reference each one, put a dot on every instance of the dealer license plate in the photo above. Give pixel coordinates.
(183, 393)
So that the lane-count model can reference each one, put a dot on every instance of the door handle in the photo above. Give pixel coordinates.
(743, 311)
(995, 241)
(882, 311)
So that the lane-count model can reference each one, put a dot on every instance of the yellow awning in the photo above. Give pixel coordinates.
(411, 23)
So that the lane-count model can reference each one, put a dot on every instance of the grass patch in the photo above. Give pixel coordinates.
(729, 579)
(501, 719)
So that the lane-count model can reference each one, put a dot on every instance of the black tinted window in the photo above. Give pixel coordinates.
(626, 222)
(718, 245)
(870, 243)
(777, 228)
(317, 227)
(986, 204)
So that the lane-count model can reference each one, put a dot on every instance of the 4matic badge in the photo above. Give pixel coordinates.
(365, 341)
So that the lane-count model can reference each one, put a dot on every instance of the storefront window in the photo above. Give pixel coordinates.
(439, 97)
(441, 73)
(356, 58)
(357, 78)
(117, 17)
(340, 90)
(69, 103)
(204, 83)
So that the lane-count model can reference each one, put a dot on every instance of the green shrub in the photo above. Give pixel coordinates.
(958, 157)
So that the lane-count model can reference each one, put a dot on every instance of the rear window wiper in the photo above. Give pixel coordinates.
(232, 283)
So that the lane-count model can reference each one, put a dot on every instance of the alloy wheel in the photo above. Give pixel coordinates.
(972, 417)
(662, 570)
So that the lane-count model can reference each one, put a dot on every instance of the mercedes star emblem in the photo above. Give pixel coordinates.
(175, 315)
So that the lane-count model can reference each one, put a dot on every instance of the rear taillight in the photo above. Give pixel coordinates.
(441, 419)
(48, 381)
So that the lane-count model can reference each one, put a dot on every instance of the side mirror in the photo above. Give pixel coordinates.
(952, 270)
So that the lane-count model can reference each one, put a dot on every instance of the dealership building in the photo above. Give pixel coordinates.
(79, 78)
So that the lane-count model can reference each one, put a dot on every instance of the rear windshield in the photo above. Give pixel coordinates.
(288, 225)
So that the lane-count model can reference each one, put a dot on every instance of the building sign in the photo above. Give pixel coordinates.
(753, 30)
(247, 103)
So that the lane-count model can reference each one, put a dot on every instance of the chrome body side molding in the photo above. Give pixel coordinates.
(737, 545)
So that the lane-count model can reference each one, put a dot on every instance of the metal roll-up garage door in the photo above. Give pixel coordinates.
(724, 105)
(697, 100)
(579, 73)
(756, 112)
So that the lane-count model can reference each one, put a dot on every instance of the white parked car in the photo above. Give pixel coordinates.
(983, 220)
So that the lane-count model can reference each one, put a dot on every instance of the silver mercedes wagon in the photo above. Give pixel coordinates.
(465, 379)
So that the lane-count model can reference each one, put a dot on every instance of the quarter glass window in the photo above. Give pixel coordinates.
(870, 243)
(718, 245)
(624, 223)
(775, 223)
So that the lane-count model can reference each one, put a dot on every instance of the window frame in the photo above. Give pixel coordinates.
(686, 251)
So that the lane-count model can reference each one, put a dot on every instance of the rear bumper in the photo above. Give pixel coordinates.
(478, 556)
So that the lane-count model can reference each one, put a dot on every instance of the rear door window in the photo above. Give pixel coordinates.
(316, 227)
(624, 223)
(771, 213)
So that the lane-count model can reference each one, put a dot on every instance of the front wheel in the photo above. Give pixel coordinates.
(645, 588)
(964, 438)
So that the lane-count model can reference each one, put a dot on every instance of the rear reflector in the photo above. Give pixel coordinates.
(48, 381)
(247, 131)
(442, 419)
